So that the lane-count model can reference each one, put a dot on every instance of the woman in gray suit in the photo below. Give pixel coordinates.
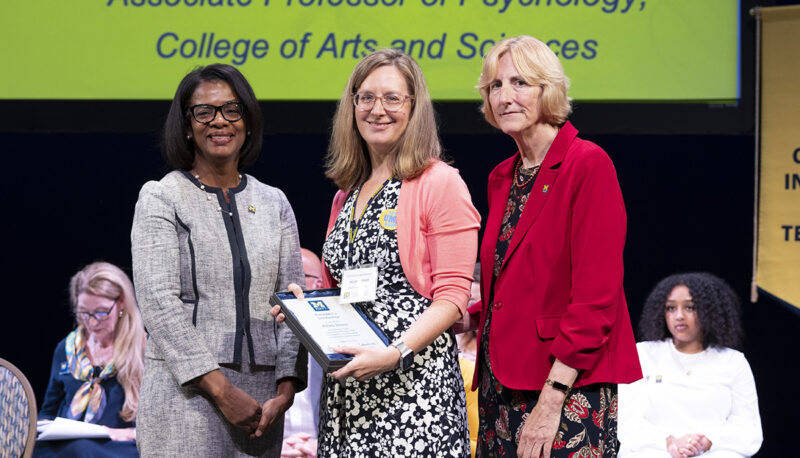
(210, 245)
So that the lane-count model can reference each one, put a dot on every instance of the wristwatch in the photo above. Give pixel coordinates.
(406, 355)
(558, 385)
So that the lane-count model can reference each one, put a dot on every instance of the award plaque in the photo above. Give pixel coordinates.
(323, 322)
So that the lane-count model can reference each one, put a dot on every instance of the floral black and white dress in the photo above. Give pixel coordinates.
(420, 412)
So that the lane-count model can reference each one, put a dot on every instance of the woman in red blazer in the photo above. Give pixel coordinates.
(554, 331)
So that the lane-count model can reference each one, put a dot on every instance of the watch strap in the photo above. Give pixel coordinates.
(558, 385)
(406, 354)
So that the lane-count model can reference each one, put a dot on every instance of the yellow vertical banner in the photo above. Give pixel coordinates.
(778, 258)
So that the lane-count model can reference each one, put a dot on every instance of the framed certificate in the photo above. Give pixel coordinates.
(322, 322)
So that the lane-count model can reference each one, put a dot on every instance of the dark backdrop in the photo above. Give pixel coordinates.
(686, 171)
(689, 200)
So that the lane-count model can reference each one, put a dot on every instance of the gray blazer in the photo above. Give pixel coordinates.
(204, 271)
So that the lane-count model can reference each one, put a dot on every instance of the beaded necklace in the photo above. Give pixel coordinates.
(533, 172)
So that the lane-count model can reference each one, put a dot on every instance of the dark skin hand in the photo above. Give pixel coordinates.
(238, 407)
(274, 408)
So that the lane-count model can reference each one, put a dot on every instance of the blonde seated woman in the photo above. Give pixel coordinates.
(97, 368)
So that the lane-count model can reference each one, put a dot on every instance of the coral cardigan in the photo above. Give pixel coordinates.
(437, 234)
(559, 291)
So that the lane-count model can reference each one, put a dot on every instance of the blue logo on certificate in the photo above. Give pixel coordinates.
(318, 305)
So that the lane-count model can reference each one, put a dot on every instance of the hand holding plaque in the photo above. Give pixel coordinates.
(323, 322)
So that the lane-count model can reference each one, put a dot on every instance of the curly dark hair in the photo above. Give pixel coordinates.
(718, 310)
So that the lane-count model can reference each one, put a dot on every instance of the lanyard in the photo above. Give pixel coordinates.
(354, 226)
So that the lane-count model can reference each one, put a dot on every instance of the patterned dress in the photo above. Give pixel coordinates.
(420, 412)
(588, 426)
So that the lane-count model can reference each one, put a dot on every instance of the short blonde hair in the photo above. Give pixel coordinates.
(538, 65)
(347, 162)
(107, 280)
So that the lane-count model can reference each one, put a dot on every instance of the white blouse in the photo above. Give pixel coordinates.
(711, 393)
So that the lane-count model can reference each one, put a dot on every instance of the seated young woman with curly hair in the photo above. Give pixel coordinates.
(698, 395)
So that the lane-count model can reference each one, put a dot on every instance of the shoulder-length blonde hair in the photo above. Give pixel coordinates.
(347, 162)
(538, 65)
(107, 280)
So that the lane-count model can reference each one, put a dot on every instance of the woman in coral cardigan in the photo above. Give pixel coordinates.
(554, 331)
(403, 210)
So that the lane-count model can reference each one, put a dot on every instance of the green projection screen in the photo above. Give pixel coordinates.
(612, 50)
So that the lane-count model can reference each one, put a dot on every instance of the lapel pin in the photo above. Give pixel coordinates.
(252, 209)
(388, 219)
(545, 188)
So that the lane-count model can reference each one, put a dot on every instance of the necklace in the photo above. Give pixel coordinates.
(686, 362)
(203, 186)
(533, 170)
(209, 197)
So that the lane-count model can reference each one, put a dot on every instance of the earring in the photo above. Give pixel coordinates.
(248, 132)
(188, 137)
(120, 313)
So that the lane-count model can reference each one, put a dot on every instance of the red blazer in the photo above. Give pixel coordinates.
(559, 291)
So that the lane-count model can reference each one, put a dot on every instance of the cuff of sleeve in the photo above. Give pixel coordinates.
(455, 298)
(299, 383)
(295, 368)
(185, 376)
(476, 308)
(713, 437)
(571, 356)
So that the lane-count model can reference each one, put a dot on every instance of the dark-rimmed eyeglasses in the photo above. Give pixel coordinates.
(99, 316)
(391, 102)
(205, 113)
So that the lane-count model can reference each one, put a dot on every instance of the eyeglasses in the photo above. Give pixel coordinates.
(205, 113)
(391, 102)
(99, 316)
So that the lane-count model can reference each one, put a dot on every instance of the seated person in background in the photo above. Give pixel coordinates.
(301, 421)
(698, 395)
(97, 368)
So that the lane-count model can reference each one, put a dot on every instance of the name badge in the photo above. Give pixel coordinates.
(359, 284)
